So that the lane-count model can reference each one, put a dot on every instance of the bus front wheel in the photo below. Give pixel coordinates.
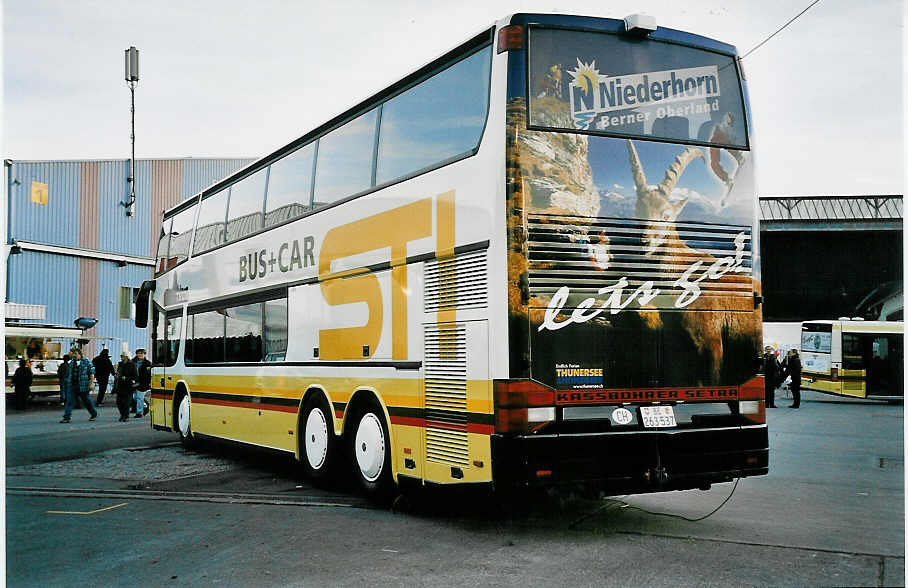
(318, 448)
(371, 452)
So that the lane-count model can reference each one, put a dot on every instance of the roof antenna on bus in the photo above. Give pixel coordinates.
(640, 24)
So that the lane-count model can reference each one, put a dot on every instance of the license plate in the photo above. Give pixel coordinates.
(657, 416)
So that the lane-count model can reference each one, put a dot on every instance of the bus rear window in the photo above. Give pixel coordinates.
(602, 83)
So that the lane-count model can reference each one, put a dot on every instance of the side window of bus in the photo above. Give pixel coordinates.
(852, 353)
(244, 333)
(180, 236)
(163, 244)
(344, 165)
(276, 330)
(246, 202)
(207, 337)
(173, 338)
(441, 118)
(290, 186)
(209, 231)
(158, 339)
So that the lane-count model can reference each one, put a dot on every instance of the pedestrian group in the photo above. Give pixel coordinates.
(774, 373)
(132, 380)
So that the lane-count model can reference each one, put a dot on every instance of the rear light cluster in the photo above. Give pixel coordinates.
(752, 400)
(523, 406)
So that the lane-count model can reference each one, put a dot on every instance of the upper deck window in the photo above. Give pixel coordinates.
(246, 201)
(607, 84)
(345, 160)
(441, 118)
(290, 186)
(180, 236)
(210, 231)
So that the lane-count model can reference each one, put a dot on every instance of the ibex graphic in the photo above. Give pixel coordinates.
(661, 240)
(653, 202)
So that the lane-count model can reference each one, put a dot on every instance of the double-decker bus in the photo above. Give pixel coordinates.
(847, 357)
(531, 261)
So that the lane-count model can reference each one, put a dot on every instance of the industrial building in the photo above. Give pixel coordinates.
(78, 248)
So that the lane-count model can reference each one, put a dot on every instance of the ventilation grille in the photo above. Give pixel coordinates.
(459, 282)
(447, 440)
(588, 254)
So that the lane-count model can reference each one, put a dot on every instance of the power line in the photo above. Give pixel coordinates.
(763, 42)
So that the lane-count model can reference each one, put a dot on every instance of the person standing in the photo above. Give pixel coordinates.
(103, 369)
(63, 376)
(792, 368)
(143, 380)
(81, 381)
(124, 385)
(22, 381)
(770, 376)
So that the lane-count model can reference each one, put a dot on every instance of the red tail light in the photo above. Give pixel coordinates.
(752, 400)
(523, 406)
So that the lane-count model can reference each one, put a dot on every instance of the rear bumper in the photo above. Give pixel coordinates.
(633, 462)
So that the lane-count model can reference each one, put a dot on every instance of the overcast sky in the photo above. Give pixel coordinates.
(232, 78)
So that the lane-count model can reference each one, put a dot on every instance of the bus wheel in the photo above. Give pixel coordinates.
(318, 447)
(184, 427)
(371, 449)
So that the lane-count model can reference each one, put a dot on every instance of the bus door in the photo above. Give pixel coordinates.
(166, 332)
(883, 357)
(854, 364)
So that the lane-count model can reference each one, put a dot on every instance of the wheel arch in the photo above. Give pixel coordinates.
(314, 390)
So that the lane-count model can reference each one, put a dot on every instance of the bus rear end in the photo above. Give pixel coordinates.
(633, 278)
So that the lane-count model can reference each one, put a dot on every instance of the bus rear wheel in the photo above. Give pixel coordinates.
(318, 449)
(184, 425)
(370, 449)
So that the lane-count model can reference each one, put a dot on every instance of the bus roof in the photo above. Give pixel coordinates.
(485, 36)
(863, 326)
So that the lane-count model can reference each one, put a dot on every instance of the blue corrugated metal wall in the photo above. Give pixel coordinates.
(198, 174)
(117, 232)
(54, 279)
(111, 279)
(48, 279)
(56, 222)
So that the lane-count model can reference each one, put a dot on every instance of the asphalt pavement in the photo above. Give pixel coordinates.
(120, 504)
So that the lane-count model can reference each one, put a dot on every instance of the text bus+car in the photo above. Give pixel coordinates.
(531, 261)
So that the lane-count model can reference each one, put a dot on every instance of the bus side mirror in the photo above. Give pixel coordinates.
(142, 299)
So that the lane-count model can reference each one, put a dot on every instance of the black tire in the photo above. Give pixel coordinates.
(183, 421)
(318, 444)
(370, 453)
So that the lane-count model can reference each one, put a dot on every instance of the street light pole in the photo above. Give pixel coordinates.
(132, 80)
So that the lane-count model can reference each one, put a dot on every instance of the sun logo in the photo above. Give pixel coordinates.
(586, 76)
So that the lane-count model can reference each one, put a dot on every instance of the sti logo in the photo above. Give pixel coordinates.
(391, 229)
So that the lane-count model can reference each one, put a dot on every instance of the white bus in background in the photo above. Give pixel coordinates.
(45, 345)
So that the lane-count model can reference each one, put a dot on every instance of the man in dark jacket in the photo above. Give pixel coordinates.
(771, 373)
(143, 381)
(63, 376)
(791, 367)
(81, 378)
(22, 381)
(103, 369)
(124, 385)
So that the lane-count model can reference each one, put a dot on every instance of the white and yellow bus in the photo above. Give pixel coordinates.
(531, 261)
(863, 359)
